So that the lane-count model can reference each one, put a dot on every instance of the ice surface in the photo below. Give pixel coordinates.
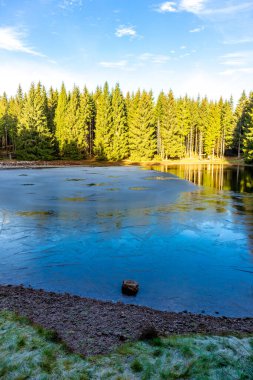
(83, 230)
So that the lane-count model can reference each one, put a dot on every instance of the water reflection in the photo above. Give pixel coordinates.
(219, 177)
(224, 189)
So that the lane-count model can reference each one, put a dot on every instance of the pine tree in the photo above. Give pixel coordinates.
(119, 126)
(52, 101)
(103, 131)
(35, 141)
(248, 132)
(60, 120)
(88, 114)
(170, 133)
(227, 126)
(203, 127)
(240, 121)
(184, 124)
(212, 129)
(142, 138)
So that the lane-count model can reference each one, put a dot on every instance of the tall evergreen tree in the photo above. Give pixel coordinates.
(52, 101)
(248, 132)
(227, 126)
(88, 114)
(103, 131)
(119, 126)
(35, 141)
(170, 133)
(240, 121)
(142, 138)
(60, 120)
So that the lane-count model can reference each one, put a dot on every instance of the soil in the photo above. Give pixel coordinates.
(9, 164)
(91, 327)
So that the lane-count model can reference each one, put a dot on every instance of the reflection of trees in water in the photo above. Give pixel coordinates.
(219, 177)
(235, 179)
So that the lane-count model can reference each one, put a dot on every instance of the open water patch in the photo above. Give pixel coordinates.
(181, 241)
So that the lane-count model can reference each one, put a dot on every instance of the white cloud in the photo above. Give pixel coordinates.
(200, 7)
(13, 40)
(243, 70)
(197, 30)
(154, 58)
(192, 6)
(124, 31)
(67, 4)
(238, 41)
(228, 10)
(114, 64)
(167, 6)
(236, 59)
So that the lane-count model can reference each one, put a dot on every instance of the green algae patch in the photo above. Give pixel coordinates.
(139, 188)
(75, 199)
(36, 213)
(113, 189)
(30, 352)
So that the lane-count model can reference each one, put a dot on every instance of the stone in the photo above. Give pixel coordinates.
(130, 287)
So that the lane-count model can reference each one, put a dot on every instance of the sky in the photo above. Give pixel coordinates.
(194, 47)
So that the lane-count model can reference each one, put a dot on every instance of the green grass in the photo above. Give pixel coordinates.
(30, 352)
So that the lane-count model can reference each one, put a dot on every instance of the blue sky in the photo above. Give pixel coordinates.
(191, 46)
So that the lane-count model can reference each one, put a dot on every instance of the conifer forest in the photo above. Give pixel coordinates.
(107, 125)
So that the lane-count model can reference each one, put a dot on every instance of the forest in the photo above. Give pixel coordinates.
(105, 124)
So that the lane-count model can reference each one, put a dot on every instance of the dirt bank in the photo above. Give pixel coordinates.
(229, 161)
(92, 327)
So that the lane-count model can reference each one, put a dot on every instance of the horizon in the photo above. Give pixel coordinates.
(194, 47)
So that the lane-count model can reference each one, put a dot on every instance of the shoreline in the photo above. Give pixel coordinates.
(12, 164)
(90, 327)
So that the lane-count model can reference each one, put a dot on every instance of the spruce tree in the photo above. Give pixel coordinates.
(35, 141)
(120, 148)
(103, 142)
(227, 126)
(170, 133)
(248, 131)
(60, 120)
(88, 113)
(212, 129)
(142, 138)
(52, 101)
(240, 122)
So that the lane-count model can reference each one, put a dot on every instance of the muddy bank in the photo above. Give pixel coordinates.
(8, 164)
(92, 327)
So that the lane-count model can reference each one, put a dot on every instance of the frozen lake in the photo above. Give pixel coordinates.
(185, 234)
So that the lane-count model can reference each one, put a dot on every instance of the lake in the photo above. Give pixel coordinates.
(185, 233)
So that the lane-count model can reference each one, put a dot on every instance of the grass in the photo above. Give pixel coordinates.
(30, 352)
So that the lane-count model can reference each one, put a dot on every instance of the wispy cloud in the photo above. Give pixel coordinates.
(167, 6)
(237, 62)
(12, 39)
(192, 6)
(243, 70)
(201, 7)
(114, 64)
(68, 4)
(228, 10)
(197, 30)
(125, 31)
(154, 58)
(238, 41)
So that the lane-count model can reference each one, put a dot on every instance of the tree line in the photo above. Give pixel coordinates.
(41, 125)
